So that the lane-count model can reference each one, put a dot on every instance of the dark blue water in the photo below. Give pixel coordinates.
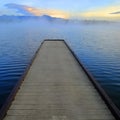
(97, 46)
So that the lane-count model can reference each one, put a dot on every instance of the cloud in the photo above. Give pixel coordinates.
(28, 10)
(118, 12)
(102, 13)
(20, 8)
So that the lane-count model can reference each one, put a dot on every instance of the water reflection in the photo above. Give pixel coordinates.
(96, 45)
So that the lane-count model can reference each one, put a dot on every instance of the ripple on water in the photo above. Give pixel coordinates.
(96, 45)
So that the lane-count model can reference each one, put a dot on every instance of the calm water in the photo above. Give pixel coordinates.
(96, 45)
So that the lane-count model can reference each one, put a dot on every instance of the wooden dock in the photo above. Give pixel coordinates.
(57, 88)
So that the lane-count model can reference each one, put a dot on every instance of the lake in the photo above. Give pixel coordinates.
(97, 45)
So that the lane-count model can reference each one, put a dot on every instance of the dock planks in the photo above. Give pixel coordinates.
(57, 88)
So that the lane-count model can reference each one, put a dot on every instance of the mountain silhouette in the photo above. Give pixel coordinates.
(19, 18)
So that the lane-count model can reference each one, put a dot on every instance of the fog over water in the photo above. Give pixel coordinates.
(97, 45)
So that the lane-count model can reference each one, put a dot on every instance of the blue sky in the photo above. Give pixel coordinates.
(86, 9)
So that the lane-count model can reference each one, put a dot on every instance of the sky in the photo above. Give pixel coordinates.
(80, 9)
